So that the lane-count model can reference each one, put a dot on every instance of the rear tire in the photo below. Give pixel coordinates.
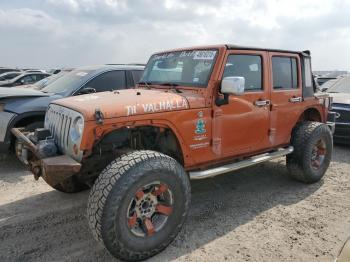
(118, 216)
(313, 147)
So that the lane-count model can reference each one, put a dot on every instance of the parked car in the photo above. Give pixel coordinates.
(9, 75)
(24, 79)
(197, 113)
(340, 92)
(27, 107)
(35, 71)
(324, 87)
(321, 80)
(46, 81)
(8, 69)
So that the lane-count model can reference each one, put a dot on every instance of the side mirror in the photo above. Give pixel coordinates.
(22, 82)
(87, 90)
(233, 85)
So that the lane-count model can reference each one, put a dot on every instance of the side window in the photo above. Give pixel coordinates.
(26, 79)
(136, 75)
(37, 77)
(285, 72)
(247, 66)
(108, 81)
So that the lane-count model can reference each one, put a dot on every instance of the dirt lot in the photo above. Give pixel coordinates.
(257, 214)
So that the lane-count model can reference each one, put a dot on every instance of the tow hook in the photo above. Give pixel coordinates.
(36, 172)
(98, 116)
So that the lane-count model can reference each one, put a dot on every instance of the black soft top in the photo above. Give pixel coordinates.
(303, 53)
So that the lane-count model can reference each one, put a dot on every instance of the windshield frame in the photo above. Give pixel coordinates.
(176, 84)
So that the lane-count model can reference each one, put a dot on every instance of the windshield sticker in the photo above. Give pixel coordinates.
(81, 74)
(167, 105)
(204, 55)
(163, 56)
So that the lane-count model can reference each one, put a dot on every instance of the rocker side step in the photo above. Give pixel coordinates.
(241, 164)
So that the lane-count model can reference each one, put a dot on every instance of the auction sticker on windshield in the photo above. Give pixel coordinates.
(205, 55)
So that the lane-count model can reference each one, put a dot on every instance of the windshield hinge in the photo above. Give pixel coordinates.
(98, 116)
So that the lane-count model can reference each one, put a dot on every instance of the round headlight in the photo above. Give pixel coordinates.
(77, 128)
(79, 125)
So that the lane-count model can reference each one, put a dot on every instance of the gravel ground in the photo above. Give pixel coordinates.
(256, 214)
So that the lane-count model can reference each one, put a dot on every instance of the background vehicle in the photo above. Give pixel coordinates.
(340, 91)
(24, 79)
(197, 113)
(9, 75)
(46, 81)
(7, 69)
(27, 107)
(322, 80)
(36, 71)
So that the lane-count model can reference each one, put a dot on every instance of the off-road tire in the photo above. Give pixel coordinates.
(304, 138)
(109, 198)
(70, 185)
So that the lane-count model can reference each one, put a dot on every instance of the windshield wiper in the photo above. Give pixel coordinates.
(145, 83)
(173, 85)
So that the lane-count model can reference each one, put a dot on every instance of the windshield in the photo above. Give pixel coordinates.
(186, 68)
(341, 86)
(67, 83)
(46, 81)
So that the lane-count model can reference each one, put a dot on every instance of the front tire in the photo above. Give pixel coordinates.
(313, 147)
(138, 204)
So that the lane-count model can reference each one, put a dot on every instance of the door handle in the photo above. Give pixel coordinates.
(261, 103)
(296, 99)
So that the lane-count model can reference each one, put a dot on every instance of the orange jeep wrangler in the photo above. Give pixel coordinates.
(197, 113)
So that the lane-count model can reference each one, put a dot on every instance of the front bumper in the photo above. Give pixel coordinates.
(332, 116)
(54, 170)
(5, 122)
(342, 133)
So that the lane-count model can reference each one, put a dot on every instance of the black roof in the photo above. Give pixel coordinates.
(305, 53)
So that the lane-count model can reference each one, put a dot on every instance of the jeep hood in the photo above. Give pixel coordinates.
(131, 102)
(6, 92)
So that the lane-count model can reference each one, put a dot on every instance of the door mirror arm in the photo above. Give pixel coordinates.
(86, 90)
(220, 101)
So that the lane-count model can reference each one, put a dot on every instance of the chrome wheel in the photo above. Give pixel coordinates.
(318, 154)
(149, 209)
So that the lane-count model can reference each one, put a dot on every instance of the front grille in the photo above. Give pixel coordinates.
(59, 124)
(344, 112)
(59, 120)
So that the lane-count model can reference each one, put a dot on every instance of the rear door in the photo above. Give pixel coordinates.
(286, 95)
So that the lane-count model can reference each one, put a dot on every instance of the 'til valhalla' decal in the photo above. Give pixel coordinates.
(167, 105)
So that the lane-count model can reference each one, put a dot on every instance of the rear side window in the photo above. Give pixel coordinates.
(136, 75)
(285, 72)
(108, 81)
(247, 66)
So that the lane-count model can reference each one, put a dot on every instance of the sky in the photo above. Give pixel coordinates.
(72, 33)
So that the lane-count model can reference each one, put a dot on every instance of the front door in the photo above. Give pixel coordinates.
(244, 121)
